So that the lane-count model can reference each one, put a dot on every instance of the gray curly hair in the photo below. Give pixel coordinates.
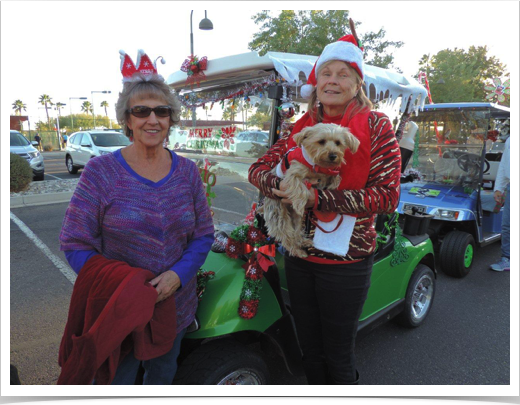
(146, 86)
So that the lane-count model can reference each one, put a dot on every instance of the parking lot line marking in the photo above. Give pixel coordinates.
(229, 212)
(62, 267)
(57, 178)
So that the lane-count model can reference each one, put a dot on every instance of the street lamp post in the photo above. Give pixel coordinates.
(206, 25)
(57, 108)
(70, 109)
(92, 96)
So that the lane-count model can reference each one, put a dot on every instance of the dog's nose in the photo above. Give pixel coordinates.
(332, 157)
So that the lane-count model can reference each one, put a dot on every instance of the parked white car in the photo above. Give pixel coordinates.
(83, 146)
(251, 143)
(21, 146)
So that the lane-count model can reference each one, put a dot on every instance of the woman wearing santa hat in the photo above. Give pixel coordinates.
(329, 287)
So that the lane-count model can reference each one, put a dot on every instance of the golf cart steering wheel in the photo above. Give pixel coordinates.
(468, 160)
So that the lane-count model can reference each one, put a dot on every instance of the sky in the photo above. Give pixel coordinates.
(70, 49)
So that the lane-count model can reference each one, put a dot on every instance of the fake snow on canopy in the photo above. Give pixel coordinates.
(380, 84)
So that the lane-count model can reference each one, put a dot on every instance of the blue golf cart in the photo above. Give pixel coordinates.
(454, 151)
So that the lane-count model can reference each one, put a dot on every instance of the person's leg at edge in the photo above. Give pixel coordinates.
(506, 224)
(126, 371)
(342, 291)
(304, 309)
(162, 370)
(503, 264)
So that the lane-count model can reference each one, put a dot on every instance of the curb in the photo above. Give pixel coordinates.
(40, 199)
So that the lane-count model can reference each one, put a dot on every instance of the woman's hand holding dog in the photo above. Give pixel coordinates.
(283, 195)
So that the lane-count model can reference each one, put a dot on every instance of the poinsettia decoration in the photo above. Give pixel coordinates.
(195, 67)
(498, 91)
(250, 243)
(228, 135)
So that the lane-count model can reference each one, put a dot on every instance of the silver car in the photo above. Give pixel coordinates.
(21, 146)
(83, 146)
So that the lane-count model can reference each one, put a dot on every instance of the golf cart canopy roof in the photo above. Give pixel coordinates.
(225, 72)
(497, 111)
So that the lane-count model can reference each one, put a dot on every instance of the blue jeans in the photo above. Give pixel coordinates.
(158, 371)
(506, 224)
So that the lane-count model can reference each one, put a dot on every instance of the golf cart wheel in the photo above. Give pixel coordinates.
(222, 362)
(457, 254)
(419, 297)
(70, 165)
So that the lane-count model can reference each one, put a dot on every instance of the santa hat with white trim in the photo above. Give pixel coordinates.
(346, 49)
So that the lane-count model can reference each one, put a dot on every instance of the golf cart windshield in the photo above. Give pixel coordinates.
(241, 105)
(454, 145)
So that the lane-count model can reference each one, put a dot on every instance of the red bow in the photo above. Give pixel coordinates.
(194, 68)
(259, 261)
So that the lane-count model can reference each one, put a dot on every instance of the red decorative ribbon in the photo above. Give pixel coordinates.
(257, 265)
(269, 250)
(194, 67)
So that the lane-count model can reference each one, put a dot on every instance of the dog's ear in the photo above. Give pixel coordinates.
(351, 141)
(302, 135)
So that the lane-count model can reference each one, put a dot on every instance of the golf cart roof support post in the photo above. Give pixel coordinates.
(405, 117)
(275, 93)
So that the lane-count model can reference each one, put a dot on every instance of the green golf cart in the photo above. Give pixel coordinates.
(233, 111)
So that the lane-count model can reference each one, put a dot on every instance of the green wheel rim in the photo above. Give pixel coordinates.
(468, 256)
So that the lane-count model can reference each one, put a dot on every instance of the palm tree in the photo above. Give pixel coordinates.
(18, 106)
(87, 107)
(46, 100)
(105, 105)
(59, 106)
(185, 113)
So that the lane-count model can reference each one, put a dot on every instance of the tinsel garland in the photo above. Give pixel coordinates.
(250, 242)
(193, 99)
(202, 279)
(383, 239)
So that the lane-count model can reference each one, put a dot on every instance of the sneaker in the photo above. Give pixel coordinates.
(502, 265)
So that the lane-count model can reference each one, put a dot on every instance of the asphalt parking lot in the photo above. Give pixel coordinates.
(465, 340)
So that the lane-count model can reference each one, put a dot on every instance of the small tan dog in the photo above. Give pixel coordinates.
(317, 158)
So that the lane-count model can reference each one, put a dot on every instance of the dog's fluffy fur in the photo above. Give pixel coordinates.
(326, 145)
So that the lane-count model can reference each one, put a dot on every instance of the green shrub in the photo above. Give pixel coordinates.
(48, 147)
(21, 173)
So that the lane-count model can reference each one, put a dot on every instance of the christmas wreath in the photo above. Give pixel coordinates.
(251, 243)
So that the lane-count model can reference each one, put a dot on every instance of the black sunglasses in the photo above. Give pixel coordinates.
(141, 111)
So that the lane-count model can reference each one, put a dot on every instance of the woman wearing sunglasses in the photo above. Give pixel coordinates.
(145, 206)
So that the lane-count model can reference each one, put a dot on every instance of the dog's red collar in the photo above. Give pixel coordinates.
(300, 155)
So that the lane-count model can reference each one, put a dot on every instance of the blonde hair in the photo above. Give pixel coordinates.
(363, 102)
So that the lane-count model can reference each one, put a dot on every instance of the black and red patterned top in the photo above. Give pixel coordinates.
(380, 172)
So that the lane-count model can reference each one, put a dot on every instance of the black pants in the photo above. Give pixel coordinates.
(326, 302)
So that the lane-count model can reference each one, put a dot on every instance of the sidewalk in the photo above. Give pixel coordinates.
(44, 192)
(40, 199)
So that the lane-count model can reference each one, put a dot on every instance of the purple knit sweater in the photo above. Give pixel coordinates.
(149, 225)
